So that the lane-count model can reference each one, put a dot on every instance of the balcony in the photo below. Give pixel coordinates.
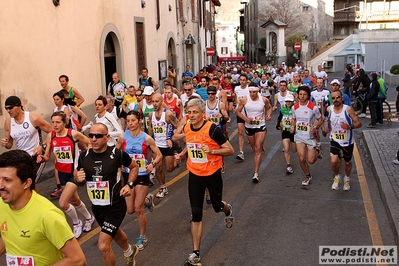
(344, 16)
(377, 16)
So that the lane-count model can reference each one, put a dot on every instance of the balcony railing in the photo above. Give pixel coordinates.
(377, 15)
(344, 16)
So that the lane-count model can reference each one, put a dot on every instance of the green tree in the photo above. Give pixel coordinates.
(292, 39)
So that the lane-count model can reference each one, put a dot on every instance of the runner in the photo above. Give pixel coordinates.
(255, 110)
(160, 126)
(317, 96)
(73, 93)
(204, 163)
(106, 118)
(240, 92)
(306, 120)
(279, 98)
(136, 143)
(284, 121)
(33, 230)
(63, 144)
(25, 128)
(99, 167)
(343, 120)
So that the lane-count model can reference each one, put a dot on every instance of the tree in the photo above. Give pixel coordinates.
(288, 12)
(292, 39)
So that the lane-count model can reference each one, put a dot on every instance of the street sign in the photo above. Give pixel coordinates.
(297, 46)
(210, 51)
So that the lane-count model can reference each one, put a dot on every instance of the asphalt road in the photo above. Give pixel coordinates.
(277, 221)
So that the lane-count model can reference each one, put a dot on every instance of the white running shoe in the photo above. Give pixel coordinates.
(89, 223)
(77, 229)
(229, 219)
(255, 178)
(347, 185)
(307, 181)
(335, 184)
(362, 115)
(289, 170)
(150, 202)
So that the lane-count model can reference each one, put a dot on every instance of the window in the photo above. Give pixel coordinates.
(305, 8)
(140, 44)
(225, 50)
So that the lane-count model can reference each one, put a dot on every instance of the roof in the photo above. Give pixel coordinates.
(275, 22)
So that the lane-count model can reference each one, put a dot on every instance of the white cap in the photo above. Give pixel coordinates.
(289, 97)
(235, 69)
(283, 63)
(335, 81)
(148, 90)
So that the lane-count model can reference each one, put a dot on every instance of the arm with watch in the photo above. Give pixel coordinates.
(134, 170)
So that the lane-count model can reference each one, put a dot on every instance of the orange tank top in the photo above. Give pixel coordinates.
(199, 162)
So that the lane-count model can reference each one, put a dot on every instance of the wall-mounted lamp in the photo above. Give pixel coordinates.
(215, 13)
(56, 2)
(170, 8)
(142, 3)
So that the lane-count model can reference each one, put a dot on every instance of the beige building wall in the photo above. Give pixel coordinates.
(39, 42)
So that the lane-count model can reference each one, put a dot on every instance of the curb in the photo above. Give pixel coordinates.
(387, 193)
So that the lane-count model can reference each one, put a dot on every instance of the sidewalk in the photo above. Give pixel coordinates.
(382, 145)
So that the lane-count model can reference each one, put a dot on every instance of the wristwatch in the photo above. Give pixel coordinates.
(130, 184)
(154, 163)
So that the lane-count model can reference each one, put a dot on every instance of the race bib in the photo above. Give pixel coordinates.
(98, 192)
(147, 122)
(63, 154)
(140, 160)
(215, 119)
(319, 103)
(340, 135)
(264, 90)
(159, 129)
(256, 121)
(303, 126)
(228, 93)
(19, 260)
(286, 122)
(196, 154)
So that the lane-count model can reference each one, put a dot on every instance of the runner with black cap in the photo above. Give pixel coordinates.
(25, 129)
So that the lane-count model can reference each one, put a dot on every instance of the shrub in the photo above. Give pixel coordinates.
(394, 69)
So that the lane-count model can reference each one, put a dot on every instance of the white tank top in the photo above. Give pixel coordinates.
(26, 137)
(159, 128)
(212, 113)
(255, 109)
(342, 136)
(281, 99)
(264, 88)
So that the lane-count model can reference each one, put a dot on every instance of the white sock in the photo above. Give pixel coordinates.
(338, 177)
(83, 210)
(347, 178)
(128, 252)
(71, 211)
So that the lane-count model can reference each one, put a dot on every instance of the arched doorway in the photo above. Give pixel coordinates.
(109, 59)
(110, 55)
(171, 55)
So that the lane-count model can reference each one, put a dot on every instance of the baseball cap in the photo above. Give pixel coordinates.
(335, 81)
(12, 101)
(283, 63)
(235, 69)
(289, 97)
(148, 90)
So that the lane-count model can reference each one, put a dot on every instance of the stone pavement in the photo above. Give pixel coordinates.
(382, 146)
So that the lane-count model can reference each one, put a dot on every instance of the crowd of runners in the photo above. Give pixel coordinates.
(141, 131)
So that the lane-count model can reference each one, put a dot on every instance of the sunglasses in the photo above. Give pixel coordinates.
(9, 107)
(188, 90)
(97, 135)
(211, 93)
(139, 95)
(336, 97)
